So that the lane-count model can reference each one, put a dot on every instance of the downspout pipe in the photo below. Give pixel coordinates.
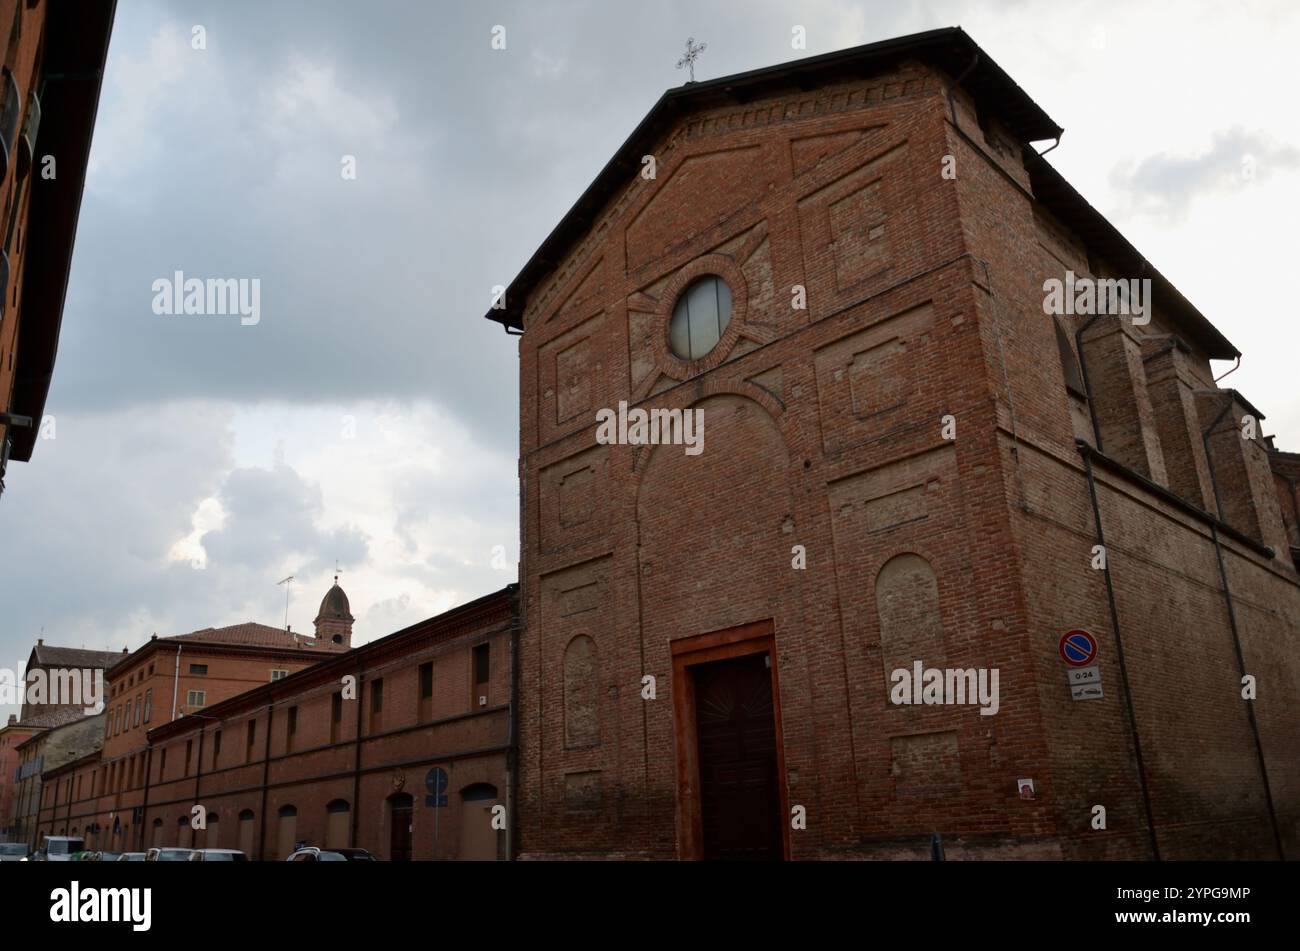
(1086, 451)
(512, 753)
(1236, 635)
(266, 779)
(356, 766)
(176, 678)
(144, 802)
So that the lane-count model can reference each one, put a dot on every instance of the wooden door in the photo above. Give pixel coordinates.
(740, 799)
(399, 847)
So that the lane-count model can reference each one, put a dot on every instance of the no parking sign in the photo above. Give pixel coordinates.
(1078, 648)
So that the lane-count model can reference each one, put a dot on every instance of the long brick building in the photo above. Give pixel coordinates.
(335, 748)
(905, 462)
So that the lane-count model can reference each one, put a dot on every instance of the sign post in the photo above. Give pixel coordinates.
(436, 782)
(1079, 651)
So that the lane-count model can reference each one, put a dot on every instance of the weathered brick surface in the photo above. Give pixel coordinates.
(823, 429)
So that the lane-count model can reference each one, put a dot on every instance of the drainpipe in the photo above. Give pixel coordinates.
(512, 751)
(176, 679)
(1232, 624)
(1086, 451)
(356, 765)
(198, 776)
(144, 804)
(266, 778)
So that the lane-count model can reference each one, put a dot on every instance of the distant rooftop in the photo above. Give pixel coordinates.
(250, 634)
(49, 655)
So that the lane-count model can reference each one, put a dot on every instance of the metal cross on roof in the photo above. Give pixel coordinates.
(692, 54)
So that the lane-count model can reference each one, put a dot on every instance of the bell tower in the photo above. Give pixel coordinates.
(334, 620)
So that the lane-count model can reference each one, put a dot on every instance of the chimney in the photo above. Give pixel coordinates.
(40, 642)
(12, 720)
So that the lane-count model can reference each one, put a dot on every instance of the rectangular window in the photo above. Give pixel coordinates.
(126, 724)
(216, 748)
(376, 705)
(199, 670)
(482, 664)
(151, 670)
(138, 710)
(162, 763)
(424, 704)
(278, 675)
(291, 730)
(148, 704)
(189, 748)
(336, 716)
(194, 699)
(252, 739)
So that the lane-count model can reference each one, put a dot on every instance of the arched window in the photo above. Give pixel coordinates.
(700, 317)
(581, 698)
(479, 841)
(338, 824)
(212, 835)
(287, 834)
(478, 792)
(157, 838)
(247, 831)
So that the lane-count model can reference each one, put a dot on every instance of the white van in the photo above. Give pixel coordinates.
(59, 848)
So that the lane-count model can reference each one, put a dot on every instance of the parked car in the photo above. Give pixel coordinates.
(130, 857)
(168, 855)
(109, 856)
(218, 855)
(313, 854)
(13, 852)
(59, 848)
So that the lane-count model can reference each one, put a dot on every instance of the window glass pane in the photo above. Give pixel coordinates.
(724, 306)
(679, 331)
(700, 318)
(702, 303)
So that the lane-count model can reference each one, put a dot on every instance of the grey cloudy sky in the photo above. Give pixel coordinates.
(370, 417)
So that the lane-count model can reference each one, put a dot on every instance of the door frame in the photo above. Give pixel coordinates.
(755, 638)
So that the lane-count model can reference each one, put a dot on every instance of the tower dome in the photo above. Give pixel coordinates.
(334, 620)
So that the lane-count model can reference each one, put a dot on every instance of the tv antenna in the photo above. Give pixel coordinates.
(288, 584)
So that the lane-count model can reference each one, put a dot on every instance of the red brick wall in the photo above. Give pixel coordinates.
(823, 429)
(452, 730)
(1200, 756)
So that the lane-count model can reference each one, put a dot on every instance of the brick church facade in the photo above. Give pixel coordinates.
(905, 460)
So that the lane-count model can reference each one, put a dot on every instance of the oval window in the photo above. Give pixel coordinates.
(700, 317)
